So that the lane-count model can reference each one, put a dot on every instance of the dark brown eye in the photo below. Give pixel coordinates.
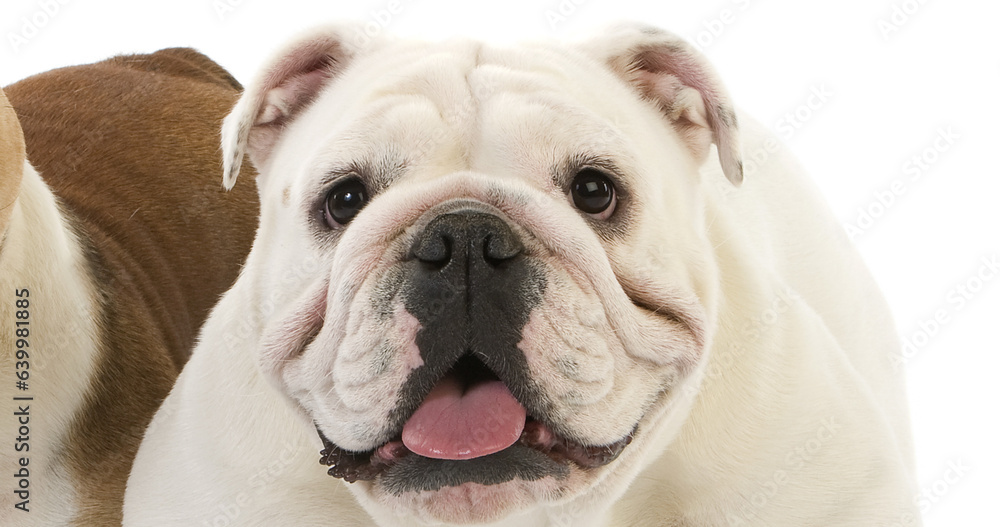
(593, 192)
(344, 201)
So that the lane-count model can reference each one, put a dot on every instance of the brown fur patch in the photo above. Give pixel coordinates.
(130, 146)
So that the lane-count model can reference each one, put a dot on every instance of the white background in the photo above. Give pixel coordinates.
(899, 74)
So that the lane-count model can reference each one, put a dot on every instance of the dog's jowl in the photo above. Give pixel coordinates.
(525, 286)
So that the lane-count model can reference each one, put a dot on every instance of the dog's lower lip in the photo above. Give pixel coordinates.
(366, 466)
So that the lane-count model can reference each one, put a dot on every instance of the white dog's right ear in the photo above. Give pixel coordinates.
(289, 82)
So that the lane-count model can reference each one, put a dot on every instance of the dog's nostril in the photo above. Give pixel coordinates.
(435, 250)
(497, 249)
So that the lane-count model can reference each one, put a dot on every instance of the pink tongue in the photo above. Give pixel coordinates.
(451, 424)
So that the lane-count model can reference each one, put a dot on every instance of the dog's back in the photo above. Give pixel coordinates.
(129, 147)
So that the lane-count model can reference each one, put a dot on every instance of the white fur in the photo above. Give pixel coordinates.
(40, 253)
(796, 338)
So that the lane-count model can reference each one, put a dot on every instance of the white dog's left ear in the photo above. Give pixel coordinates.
(669, 71)
(290, 81)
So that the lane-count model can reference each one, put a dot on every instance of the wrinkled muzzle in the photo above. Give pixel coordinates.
(471, 412)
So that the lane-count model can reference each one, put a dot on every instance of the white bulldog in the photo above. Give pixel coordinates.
(513, 287)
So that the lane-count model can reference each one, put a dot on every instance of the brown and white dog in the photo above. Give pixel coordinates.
(113, 252)
(516, 286)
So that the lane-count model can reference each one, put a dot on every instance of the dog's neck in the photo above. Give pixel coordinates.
(42, 265)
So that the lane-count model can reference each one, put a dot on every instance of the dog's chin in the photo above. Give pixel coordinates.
(468, 503)
(540, 466)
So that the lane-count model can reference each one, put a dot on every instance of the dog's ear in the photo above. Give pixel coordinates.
(678, 78)
(286, 84)
(11, 160)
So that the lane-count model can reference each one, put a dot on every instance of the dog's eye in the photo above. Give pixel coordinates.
(344, 201)
(594, 193)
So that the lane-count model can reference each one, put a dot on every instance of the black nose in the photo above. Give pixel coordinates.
(467, 238)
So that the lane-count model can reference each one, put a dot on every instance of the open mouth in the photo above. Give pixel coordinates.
(469, 428)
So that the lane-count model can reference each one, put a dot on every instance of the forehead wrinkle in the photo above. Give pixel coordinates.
(393, 122)
(464, 116)
(440, 76)
(530, 120)
(474, 122)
